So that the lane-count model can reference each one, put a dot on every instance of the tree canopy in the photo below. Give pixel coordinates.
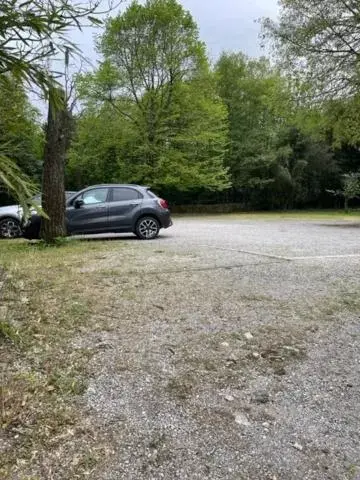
(157, 111)
(31, 33)
(318, 41)
(156, 77)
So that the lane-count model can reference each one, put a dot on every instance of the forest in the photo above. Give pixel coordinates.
(276, 132)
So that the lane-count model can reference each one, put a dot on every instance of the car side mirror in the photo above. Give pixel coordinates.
(78, 203)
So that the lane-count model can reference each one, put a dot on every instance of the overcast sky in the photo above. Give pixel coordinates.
(230, 24)
(224, 25)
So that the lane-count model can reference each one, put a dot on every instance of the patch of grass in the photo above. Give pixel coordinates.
(66, 383)
(48, 301)
(338, 215)
(9, 333)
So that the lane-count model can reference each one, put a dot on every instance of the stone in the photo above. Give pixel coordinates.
(241, 419)
(298, 446)
(229, 398)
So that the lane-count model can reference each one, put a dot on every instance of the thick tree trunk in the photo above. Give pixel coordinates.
(53, 188)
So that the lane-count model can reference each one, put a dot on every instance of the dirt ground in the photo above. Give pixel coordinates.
(226, 349)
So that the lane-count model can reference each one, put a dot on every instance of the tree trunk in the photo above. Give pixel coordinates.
(53, 185)
(346, 204)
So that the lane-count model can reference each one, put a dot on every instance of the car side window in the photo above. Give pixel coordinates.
(97, 195)
(124, 194)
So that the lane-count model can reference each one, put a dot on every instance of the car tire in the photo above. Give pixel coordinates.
(147, 228)
(10, 228)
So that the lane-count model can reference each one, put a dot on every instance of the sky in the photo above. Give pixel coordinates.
(231, 24)
(223, 24)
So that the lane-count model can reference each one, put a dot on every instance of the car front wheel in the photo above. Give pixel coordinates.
(147, 228)
(10, 228)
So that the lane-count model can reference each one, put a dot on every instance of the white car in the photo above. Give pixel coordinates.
(11, 218)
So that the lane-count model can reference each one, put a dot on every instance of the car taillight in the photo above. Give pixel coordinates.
(163, 203)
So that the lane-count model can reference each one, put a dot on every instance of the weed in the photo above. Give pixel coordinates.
(9, 333)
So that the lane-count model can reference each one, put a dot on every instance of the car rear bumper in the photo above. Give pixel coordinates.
(165, 220)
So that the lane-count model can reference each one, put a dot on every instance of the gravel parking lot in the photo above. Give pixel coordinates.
(232, 352)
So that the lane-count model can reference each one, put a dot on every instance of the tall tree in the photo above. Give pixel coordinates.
(350, 188)
(318, 41)
(258, 104)
(272, 161)
(304, 169)
(156, 75)
(53, 190)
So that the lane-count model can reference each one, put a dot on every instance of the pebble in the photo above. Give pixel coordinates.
(248, 336)
(241, 419)
(298, 446)
(229, 398)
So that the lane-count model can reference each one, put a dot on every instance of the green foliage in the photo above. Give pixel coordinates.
(342, 118)
(155, 112)
(317, 42)
(31, 32)
(21, 135)
(153, 46)
(257, 102)
(21, 141)
(304, 169)
(102, 136)
(165, 124)
(351, 183)
(274, 156)
(350, 188)
(14, 180)
(8, 332)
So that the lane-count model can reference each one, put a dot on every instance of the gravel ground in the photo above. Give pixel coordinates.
(231, 351)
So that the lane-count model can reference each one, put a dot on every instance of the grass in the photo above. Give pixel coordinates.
(47, 300)
(336, 215)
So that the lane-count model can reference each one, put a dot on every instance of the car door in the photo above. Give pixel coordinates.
(123, 205)
(92, 215)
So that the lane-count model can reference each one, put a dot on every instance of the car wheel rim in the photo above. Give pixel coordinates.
(10, 229)
(148, 228)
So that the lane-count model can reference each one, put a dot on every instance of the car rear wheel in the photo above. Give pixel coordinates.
(10, 228)
(147, 228)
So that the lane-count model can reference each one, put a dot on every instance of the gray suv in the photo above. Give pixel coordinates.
(111, 209)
